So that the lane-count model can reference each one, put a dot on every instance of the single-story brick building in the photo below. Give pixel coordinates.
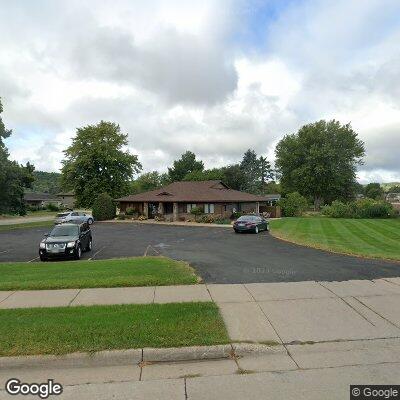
(176, 200)
(67, 198)
(41, 200)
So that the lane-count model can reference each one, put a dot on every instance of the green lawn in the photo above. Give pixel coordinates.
(139, 271)
(38, 224)
(88, 329)
(377, 238)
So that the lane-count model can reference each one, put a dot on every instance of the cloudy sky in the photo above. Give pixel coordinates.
(216, 77)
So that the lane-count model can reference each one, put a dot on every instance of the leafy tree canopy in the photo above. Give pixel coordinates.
(96, 162)
(320, 161)
(205, 175)
(272, 188)
(394, 189)
(148, 181)
(234, 177)
(293, 205)
(14, 178)
(374, 191)
(185, 165)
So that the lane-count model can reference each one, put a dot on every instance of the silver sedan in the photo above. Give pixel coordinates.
(74, 216)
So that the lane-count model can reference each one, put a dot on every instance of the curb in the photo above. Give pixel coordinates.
(137, 356)
(101, 358)
(187, 353)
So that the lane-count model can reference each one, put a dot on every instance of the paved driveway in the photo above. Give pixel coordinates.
(218, 254)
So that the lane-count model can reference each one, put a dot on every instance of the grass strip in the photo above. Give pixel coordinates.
(38, 224)
(64, 330)
(121, 272)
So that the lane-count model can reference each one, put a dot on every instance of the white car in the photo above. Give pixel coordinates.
(74, 216)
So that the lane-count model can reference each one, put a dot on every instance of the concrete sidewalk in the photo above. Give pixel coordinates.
(314, 340)
(259, 312)
(319, 371)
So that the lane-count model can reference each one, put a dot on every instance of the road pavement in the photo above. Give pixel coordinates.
(218, 254)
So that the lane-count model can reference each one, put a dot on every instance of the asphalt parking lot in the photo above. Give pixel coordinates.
(218, 254)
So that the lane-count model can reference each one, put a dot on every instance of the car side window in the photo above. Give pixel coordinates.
(74, 214)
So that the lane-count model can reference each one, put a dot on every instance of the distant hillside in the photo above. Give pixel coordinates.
(46, 182)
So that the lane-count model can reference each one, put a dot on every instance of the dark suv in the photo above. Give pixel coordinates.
(66, 241)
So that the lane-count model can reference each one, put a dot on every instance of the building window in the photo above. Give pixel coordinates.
(189, 207)
(209, 208)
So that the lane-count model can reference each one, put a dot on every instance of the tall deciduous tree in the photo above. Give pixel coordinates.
(148, 181)
(96, 162)
(374, 191)
(185, 165)
(14, 178)
(320, 161)
(234, 177)
(205, 175)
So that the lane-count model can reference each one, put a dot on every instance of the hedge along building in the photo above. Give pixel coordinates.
(175, 201)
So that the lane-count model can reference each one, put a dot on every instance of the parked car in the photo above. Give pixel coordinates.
(74, 216)
(250, 223)
(66, 241)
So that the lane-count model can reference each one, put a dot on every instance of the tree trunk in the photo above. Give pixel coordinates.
(317, 203)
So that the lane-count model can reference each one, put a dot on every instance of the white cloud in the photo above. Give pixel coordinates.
(175, 76)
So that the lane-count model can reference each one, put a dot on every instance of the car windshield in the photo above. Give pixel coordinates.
(62, 215)
(65, 230)
(245, 218)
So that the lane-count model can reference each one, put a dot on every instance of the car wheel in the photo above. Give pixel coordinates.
(256, 229)
(42, 258)
(89, 246)
(236, 231)
(90, 221)
(78, 252)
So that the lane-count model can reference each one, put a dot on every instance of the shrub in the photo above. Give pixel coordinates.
(130, 211)
(52, 207)
(366, 208)
(121, 216)
(236, 215)
(22, 210)
(104, 207)
(196, 211)
(340, 210)
(293, 205)
(206, 219)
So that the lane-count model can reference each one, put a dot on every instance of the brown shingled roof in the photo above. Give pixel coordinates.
(196, 191)
(40, 197)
